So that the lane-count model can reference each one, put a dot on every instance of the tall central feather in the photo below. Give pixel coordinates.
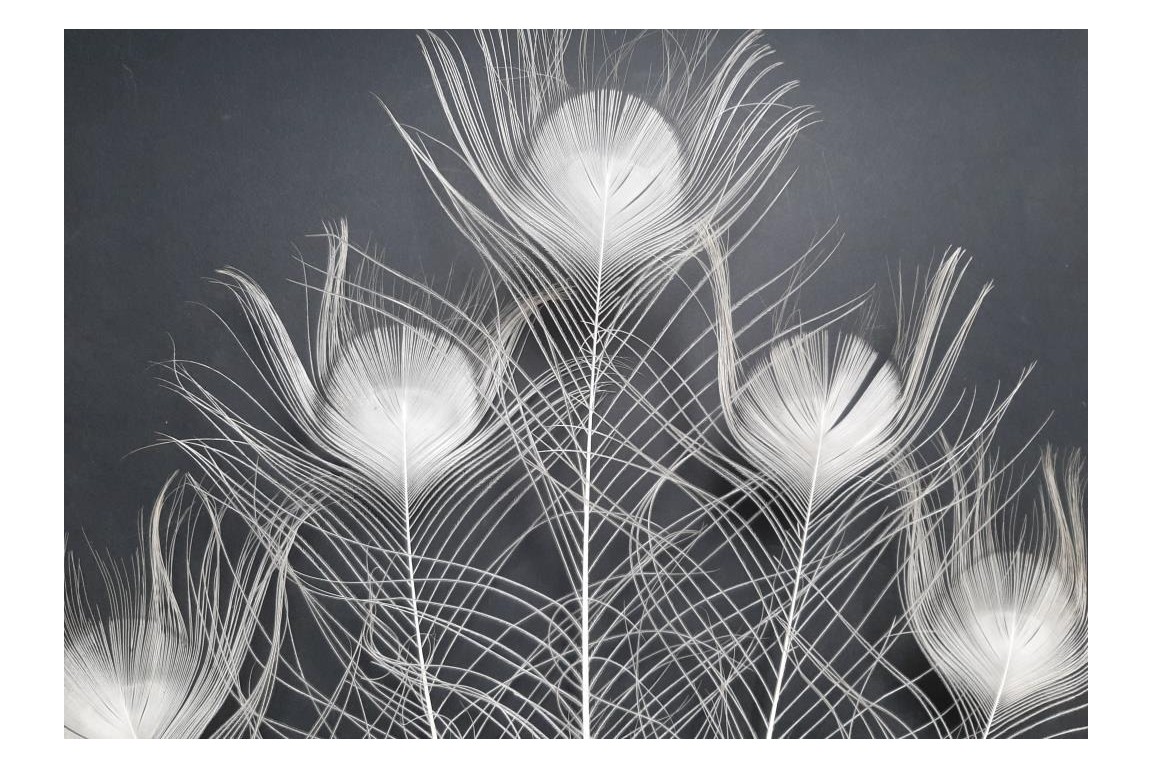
(595, 196)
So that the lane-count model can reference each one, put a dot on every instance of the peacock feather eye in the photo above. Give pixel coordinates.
(605, 172)
(400, 402)
(817, 410)
(144, 662)
(1003, 616)
(1021, 612)
(135, 680)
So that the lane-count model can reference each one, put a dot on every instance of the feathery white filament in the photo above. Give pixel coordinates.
(604, 175)
(400, 402)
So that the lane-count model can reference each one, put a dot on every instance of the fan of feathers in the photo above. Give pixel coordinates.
(602, 491)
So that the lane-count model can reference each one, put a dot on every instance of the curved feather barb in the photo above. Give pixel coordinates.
(999, 601)
(151, 664)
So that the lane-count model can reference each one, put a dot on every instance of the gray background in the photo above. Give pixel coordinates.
(186, 152)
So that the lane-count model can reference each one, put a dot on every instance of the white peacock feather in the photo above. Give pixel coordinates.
(1000, 603)
(817, 411)
(151, 664)
(386, 501)
(595, 185)
(596, 195)
(821, 408)
(394, 394)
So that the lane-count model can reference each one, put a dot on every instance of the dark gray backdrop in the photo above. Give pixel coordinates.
(186, 152)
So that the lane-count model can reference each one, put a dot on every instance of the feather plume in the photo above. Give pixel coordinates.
(999, 601)
(388, 503)
(152, 664)
(594, 185)
(596, 193)
(835, 435)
